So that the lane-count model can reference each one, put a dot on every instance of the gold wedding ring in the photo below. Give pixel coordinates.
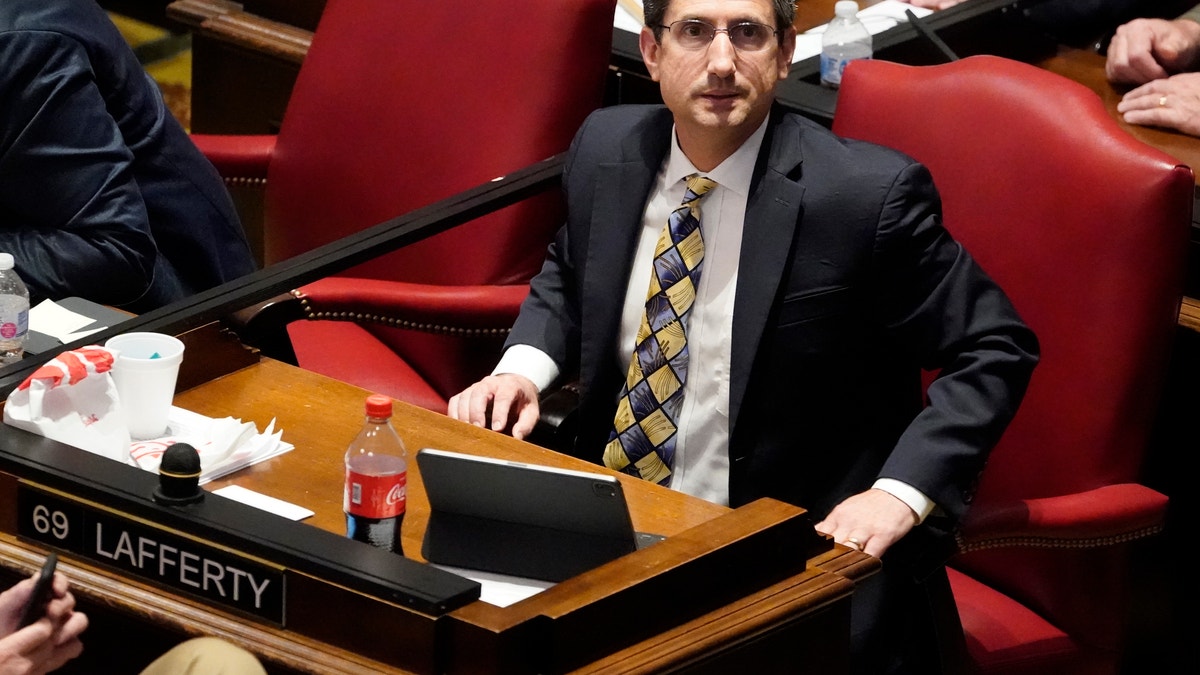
(855, 543)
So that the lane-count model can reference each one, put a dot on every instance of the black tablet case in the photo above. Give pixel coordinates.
(523, 520)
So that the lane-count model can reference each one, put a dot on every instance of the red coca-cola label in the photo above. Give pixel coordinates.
(375, 496)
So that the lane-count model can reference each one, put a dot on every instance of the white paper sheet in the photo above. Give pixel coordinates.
(51, 318)
(501, 590)
(225, 445)
(267, 503)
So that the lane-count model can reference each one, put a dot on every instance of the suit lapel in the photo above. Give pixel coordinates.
(616, 220)
(620, 194)
(772, 216)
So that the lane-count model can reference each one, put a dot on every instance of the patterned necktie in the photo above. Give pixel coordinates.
(642, 442)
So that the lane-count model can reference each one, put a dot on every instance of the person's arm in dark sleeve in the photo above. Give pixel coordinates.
(936, 304)
(70, 210)
(943, 307)
(550, 316)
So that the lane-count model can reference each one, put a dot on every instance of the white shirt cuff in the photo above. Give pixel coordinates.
(530, 362)
(916, 500)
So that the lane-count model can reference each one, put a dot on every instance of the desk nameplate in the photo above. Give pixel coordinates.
(160, 556)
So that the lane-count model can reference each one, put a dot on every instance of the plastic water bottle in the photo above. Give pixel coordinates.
(376, 479)
(844, 39)
(14, 312)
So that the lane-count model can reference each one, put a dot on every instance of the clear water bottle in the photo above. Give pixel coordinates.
(844, 40)
(14, 312)
(376, 479)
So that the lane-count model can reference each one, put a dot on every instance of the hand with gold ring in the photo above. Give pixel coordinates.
(869, 521)
(1172, 103)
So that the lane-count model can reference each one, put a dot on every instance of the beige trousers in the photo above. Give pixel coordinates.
(205, 656)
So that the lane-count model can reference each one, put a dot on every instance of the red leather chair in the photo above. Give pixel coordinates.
(1086, 229)
(398, 105)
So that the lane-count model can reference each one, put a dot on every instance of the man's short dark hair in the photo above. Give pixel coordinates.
(655, 10)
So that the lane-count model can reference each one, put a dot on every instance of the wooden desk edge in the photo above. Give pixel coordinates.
(829, 578)
(1189, 314)
(275, 647)
(792, 600)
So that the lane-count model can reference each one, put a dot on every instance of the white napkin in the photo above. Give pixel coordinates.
(225, 444)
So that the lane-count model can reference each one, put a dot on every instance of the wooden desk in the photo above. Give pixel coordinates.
(780, 614)
(321, 416)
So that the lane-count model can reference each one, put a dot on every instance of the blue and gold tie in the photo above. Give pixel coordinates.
(642, 442)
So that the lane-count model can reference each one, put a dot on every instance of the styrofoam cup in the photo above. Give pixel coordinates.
(145, 370)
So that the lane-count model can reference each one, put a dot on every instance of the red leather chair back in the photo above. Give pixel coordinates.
(1086, 229)
(400, 104)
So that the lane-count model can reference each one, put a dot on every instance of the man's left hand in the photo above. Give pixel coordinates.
(870, 521)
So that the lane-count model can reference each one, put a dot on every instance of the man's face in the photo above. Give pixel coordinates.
(717, 94)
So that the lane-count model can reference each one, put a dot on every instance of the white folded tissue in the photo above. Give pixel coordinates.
(225, 445)
(72, 399)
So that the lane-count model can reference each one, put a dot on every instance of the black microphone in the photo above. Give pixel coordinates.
(179, 476)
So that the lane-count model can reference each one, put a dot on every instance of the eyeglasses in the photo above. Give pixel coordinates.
(694, 34)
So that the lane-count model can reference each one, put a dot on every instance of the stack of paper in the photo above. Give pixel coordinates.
(225, 445)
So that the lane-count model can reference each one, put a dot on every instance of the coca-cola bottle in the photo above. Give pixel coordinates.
(376, 479)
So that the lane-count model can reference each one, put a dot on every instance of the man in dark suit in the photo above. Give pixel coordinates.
(827, 283)
(102, 193)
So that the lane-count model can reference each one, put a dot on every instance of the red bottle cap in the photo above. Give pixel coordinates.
(379, 405)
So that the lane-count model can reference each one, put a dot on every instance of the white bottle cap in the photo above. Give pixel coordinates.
(6, 261)
(845, 8)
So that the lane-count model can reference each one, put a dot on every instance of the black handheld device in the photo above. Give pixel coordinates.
(41, 592)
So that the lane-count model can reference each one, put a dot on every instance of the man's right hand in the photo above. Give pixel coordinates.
(1150, 49)
(498, 401)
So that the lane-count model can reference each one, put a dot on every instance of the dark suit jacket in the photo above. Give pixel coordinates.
(102, 193)
(847, 285)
